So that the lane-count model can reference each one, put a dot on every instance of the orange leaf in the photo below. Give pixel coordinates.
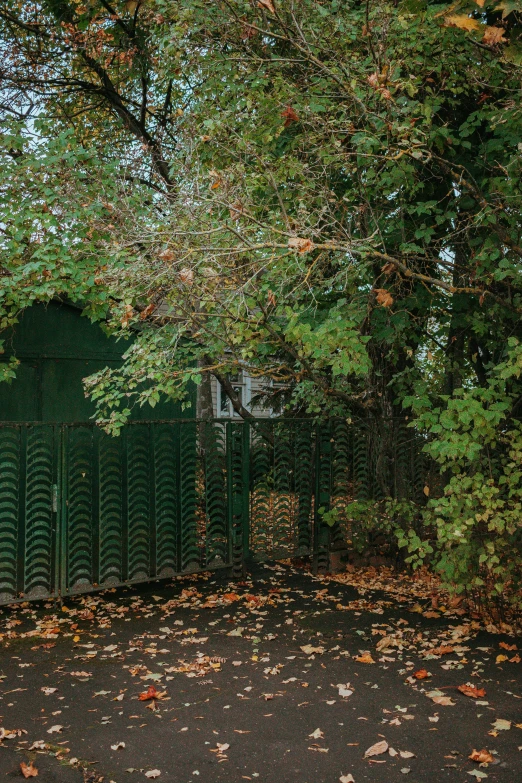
(365, 658)
(421, 674)
(462, 21)
(506, 646)
(482, 756)
(28, 770)
(470, 690)
(493, 36)
(150, 693)
(384, 298)
(290, 115)
(300, 244)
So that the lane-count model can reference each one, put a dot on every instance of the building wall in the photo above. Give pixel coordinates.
(57, 348)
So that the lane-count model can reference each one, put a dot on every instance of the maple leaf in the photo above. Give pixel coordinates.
(377, 749)
(290, 115)
(384, 297)
(493, 36)
(150, 693)
(421, 674)
(462, 21)
(470, 690)
(506, 646)
(28, 770)
(482, 756)
(268, 4)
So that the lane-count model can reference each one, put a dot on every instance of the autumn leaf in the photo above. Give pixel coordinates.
(300, 244)
(347, 778)
(186, 275)
(384, 298)
(442, 650)
(462, 21)
(28, 770)
(317, 734)
(506, 646)
(501, 658)
(421, 674)
(150, 693)
(377, 749)
(482, 756)
(470, 690)
(365, 658)
(439, 698)
(153, 773)
(290, 115)
(493, 36)
(268, 4)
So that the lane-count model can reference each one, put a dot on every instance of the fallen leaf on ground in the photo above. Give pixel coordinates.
(421, 674)
(439, 698)
(28, 770)
(501, 658)
(153, 773)
(151, 693)
(506, 646)
(55, 729)
(501, 725)
(365, 658)
(309, 650)
(477, 773)
(317, 734)
(470, 690)
(347, 778)
(118, 746)
(482, 756)
(377, 749)
(406, 754)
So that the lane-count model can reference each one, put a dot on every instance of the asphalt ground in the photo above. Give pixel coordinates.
(236, 697)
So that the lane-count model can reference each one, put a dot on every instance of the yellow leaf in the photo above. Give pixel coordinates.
(501, 658)
(462, 21)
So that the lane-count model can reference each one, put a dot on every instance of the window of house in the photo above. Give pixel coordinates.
(241, 385)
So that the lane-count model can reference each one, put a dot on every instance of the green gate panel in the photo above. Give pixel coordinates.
(166, 489)
(110, 456)
(28, 518)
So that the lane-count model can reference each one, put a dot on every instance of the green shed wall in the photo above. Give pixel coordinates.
(57, 348)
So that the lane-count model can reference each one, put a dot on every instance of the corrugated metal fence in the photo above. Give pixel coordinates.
(81, 510)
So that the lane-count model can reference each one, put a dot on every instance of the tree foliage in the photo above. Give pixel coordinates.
(326, 194)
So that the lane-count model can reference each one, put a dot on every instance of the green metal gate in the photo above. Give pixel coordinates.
(80, 510)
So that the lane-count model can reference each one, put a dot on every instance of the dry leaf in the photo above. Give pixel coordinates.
(151, 693)
(504, 646)
(493, 36)
(384, 298)
(421, 674)
(55, 729)
(300, 244)
(118, 746)
(377, 749)
(290, 115)
(346, 778)
(28, 770)
(462, 21)
(482, 756)
(406, 754)
(443, 650)
(317, 734)
(153, 773)
(309, 650)
(268, 4)
(501, 725)
(365, 658)
(186, 275)
(439, 698)
(501, 658)
(470, 690)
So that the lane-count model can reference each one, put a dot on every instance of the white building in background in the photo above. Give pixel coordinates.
(247, 389)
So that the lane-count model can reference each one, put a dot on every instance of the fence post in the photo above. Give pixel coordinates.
(322, 497)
